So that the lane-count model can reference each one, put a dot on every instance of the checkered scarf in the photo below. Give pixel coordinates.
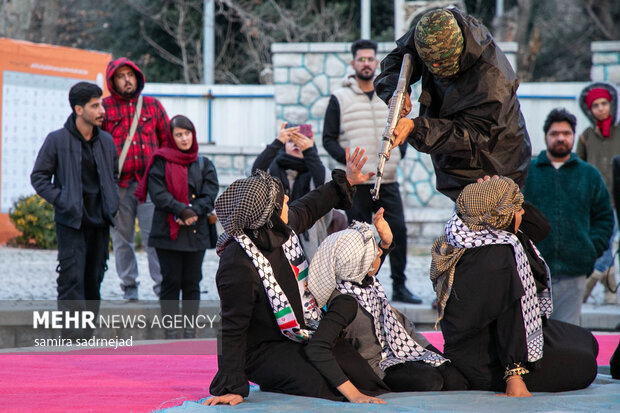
(397, 346)
(246, 204)
(282, 310)
(483, 211)
(345, 255)
(345, 258)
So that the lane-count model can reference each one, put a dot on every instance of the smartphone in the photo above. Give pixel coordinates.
(304, 128)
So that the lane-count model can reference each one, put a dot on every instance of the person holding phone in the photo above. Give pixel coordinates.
(293, 158)
(183, 188)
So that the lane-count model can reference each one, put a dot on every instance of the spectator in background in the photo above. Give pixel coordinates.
(572, 195)
(356, 116)
(139, 125)
(597, 145)
(76, 171)
(183, 187)
(294, 160)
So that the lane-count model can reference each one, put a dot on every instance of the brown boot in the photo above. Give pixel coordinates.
(595, 277)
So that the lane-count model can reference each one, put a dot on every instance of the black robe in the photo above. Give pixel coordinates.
(251, 346)
(484, 332)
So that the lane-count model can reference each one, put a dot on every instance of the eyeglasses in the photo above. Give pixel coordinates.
(365, 59)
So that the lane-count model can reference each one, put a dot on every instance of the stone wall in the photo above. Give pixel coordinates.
(605, 62)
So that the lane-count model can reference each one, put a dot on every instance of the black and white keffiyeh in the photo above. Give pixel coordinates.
(247, 203)
(484, 211)
(345, 255)
(397, 346)
(282, 310)
(342, 261)
(533, 304)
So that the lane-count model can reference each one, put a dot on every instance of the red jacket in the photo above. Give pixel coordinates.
(152, 126)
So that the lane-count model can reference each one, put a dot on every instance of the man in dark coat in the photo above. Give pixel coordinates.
(470, 119)
(76, 172)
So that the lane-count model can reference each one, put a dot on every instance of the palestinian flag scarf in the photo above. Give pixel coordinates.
(282, 310)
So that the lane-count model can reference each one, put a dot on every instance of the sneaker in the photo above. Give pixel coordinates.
(130, 294)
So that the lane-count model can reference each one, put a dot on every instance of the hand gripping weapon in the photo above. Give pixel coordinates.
(396, 107)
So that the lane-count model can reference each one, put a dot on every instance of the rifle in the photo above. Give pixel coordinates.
(396, 107)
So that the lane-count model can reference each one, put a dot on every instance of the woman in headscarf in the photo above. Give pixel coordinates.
(345, 265)
(494, 299)
(294, 159)
(183, 187)
(267, 313)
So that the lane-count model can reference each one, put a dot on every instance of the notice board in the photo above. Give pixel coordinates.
(34, 100)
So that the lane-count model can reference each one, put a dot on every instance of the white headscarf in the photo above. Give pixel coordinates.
(343, 256)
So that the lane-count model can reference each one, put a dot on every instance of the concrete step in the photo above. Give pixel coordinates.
(18, 317)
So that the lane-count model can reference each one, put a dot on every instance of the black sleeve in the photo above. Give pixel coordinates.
(263, 160)
(510, 337)
(205, 199)
(385, 252)
(305, 211)
(314, 165)
(43, 170)
(341, 311)
(158, 189)
(237, 287)
(331, 131)
(386, 81)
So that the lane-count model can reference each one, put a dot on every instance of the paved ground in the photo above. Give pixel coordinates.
(30, 275)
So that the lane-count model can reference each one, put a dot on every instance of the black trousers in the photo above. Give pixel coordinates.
(181, 272)
(82, 256)
(389, 198)
(568, 362)
(419, 376)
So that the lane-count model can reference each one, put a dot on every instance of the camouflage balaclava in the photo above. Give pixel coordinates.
(439, 42)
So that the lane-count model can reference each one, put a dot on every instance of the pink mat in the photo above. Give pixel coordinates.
(147, 378)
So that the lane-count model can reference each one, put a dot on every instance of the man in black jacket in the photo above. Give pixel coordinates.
(76, 171)
(470, 120)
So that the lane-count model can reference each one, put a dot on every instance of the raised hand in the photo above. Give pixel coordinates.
(383, 228)
(285, 133)
(355, 163)
(303, 142)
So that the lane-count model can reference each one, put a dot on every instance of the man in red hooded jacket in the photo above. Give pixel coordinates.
(125, 82)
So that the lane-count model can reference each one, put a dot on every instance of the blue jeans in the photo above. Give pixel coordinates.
(607, 259)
